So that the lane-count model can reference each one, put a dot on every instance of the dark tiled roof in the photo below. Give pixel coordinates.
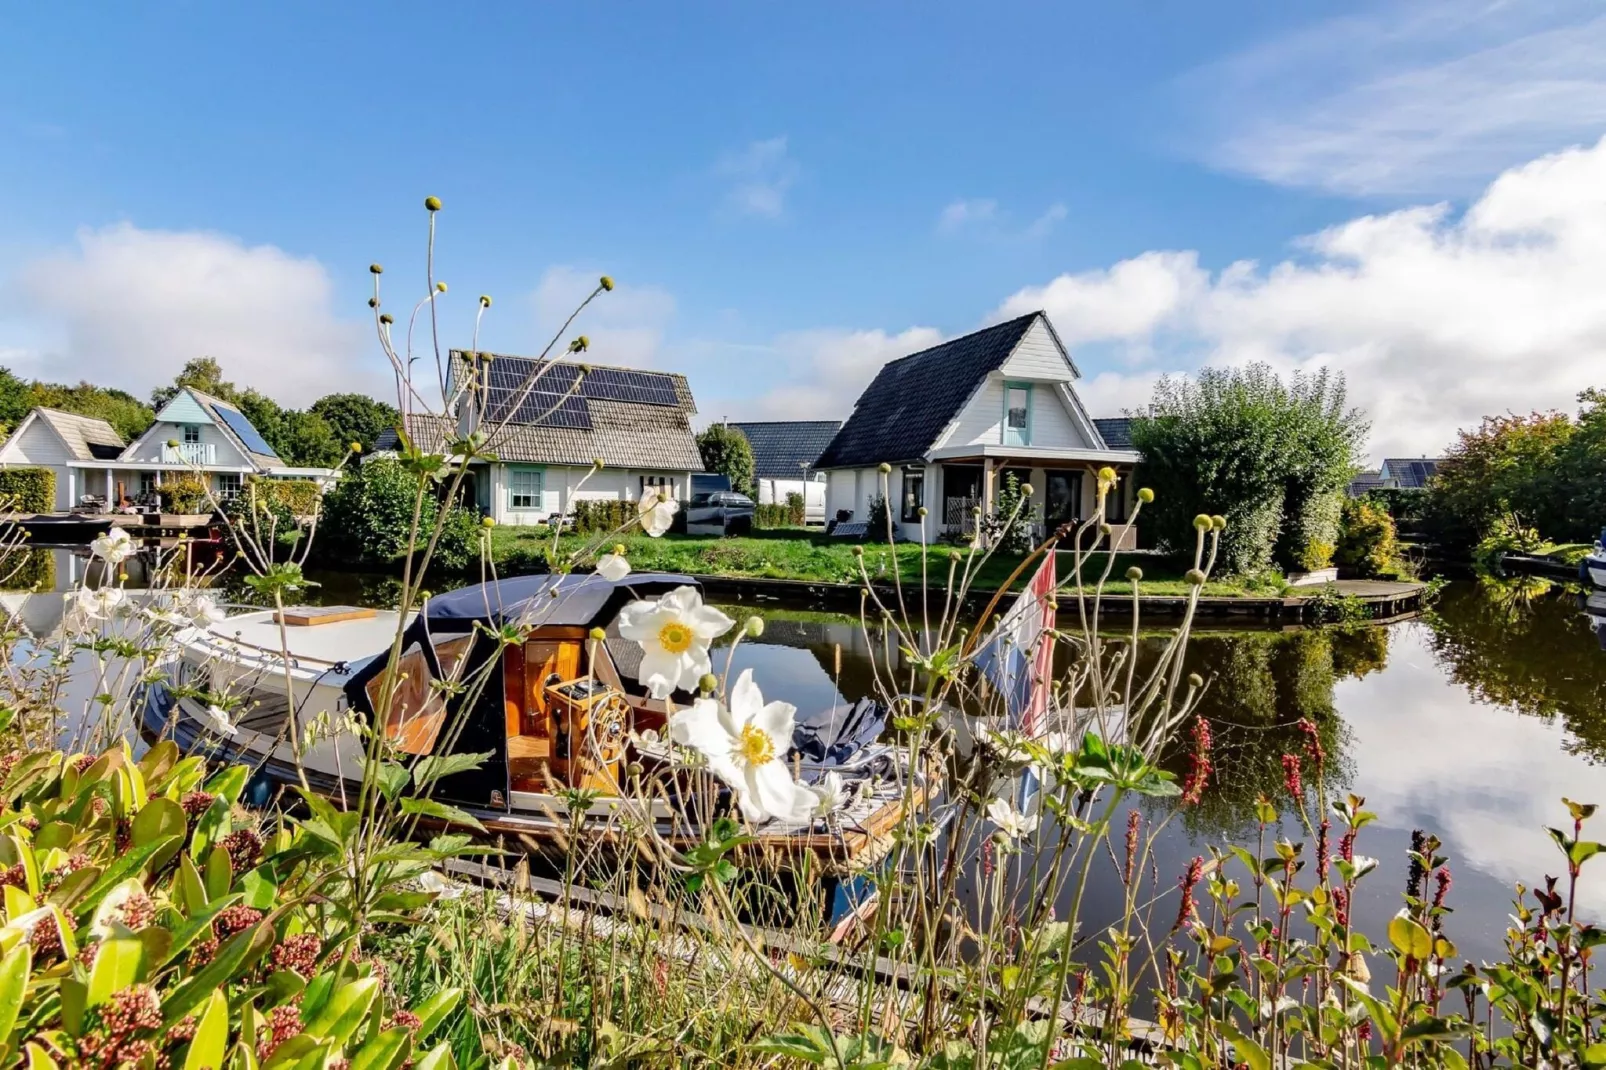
(1363, 482)
(910, 401)
(1412, 473)
(1116, 431)
(622, 435)
(782, 448)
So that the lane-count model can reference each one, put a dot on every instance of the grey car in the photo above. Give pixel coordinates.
(723, 512)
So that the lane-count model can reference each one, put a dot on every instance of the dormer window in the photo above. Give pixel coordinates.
(192, 434)
(1017, 414)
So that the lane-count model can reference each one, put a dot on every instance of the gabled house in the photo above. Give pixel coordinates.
(954, 421)
(552, 421)
(1407, 473)
(784, 452)
(194, 434)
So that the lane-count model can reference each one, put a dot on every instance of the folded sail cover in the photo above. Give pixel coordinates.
(1018, 657)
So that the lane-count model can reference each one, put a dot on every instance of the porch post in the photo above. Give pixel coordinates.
(72, 485)
(110, 504)
(986, 486)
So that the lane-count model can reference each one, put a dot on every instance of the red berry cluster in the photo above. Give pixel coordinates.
(244, 847)
(298, 953)
(137, 911)
(14, 876)
(82, 762)
(116, 1040)
(197, 803)
(284, 1022)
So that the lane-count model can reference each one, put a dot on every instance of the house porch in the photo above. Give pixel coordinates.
(1064, 490)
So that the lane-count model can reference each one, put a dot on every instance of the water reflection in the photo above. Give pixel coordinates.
(1471, 722)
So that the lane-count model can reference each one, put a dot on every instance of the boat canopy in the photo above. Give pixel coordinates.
(587, 600)
(577, 600)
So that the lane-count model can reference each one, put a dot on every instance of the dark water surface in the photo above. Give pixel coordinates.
(1471, 723)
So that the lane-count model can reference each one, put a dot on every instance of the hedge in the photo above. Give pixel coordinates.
(27, 490)
(300, 496)
(185, 494)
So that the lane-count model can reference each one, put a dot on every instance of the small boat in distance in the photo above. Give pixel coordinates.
(1592, 569)
(553, 711)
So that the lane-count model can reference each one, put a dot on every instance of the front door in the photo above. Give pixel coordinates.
(961, 493)
(1062, 497)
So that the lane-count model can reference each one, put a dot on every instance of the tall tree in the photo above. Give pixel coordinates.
(725, 450)
(202, 373)
(355, 418)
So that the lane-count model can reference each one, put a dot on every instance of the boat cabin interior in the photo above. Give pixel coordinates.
(554, 711)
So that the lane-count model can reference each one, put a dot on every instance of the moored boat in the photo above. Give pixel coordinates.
(532, 675)
(1592, 569)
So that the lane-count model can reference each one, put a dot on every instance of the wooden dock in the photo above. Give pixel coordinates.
(78, 528)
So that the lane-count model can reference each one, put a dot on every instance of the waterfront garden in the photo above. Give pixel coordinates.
(1198, 879)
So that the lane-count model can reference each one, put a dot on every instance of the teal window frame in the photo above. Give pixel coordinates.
(191, 434)
(1022, 437)
(537, 496)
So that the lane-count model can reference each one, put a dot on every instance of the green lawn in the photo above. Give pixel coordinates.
(800, 555)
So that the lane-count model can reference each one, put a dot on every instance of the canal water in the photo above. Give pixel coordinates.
(1471, 722)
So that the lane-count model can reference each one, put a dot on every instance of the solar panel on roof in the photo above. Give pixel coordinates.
(619, 384)
(243, 430)
(528, 393)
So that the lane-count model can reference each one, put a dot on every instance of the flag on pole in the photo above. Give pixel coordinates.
(1018, 657)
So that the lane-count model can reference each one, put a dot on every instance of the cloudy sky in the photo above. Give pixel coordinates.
(1413, 194)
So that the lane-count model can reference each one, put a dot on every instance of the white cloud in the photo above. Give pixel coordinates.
(982, 215)
(760, 176)
(959, 214)
(625, 326)
(1429, 98)
(128, 307)
(1436, 320)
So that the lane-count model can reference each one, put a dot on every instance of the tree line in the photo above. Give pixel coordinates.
(315, 437)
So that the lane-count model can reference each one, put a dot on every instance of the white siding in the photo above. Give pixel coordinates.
(148, 448)
(1036, 357)
(561, 487)
(38, 445)
(981, 422)
(840, 490)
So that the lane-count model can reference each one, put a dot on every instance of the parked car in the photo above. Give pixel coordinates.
(720, 512)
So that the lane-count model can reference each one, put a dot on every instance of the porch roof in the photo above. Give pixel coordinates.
(996, 452)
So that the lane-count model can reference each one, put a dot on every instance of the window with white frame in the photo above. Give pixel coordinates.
(524, 488)
(147, 484)
(228, 484)
(192, 434)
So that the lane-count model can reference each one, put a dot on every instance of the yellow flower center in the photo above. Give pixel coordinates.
(755, 745)
(674, 637)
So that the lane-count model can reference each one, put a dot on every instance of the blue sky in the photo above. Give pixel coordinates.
(787, 195)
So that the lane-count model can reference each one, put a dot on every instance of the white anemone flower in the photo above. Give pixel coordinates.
(98, 603)
(202, 610)
(114, 547)
(218, 721)
(613, 567)
(1010, 821)
(169, 616)
(674, 633)
(829, 794)
(657, 510)
(746, 745)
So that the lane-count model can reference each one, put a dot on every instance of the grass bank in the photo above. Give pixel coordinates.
(791, 554)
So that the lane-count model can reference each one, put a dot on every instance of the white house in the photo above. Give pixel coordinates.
(194, 434)
(784, 452)
(955, 420)
(549, 421)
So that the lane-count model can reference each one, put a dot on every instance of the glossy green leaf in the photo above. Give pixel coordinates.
(211, 1036)
(386, 1051)
(228, 783)
(119, 962)
(391, 778)
(348, 1005)
(435, 1009)
(13, 985)
(1409, 937)
(219, 873)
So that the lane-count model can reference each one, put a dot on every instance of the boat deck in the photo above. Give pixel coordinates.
(327, 643)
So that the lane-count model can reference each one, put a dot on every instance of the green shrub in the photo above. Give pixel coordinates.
(303, 497)
(1315, 556)
(779, 515)
(368, 515)
(1367, 541)
(725, 450)
(603, 515)
(27, 490)
(29, 570)
(880, 516)
(184, 493)
(152, 922)
(1507, 534)
(796, 509)
(459, 547)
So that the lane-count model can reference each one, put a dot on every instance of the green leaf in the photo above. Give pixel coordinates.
(385, 1052)
(1246, 1050)
(437, 1058)
(13, 984)
(345, 1011)
(434, 1009)
(232, 959)
(260, 890)
(1582, 852)
(190, 886)
(429, 770)
(441, 812)
(211, 1036)
(126, 866)
(228, 784)
(158, 819)
(119, 963)
(219, 873)
(1409, 937)
(391, 778)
